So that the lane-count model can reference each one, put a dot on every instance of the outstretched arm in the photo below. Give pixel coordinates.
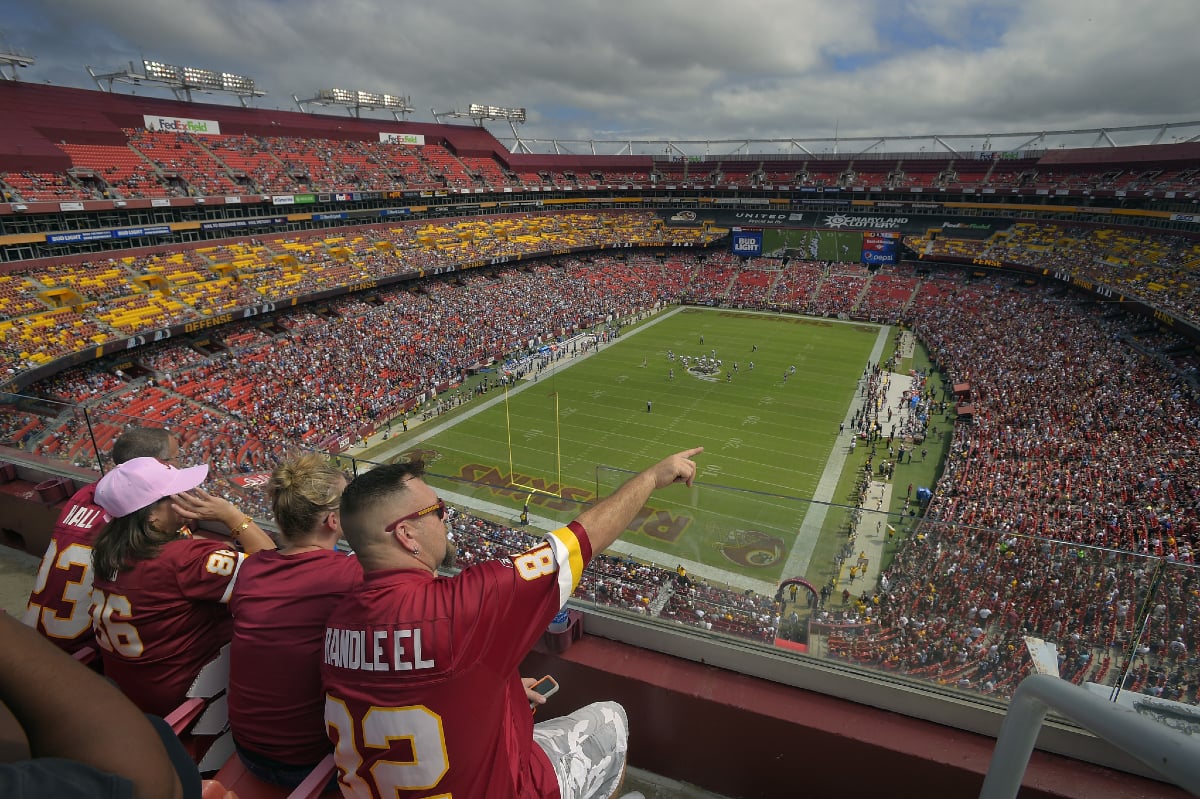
(609, 517)
(66, 710)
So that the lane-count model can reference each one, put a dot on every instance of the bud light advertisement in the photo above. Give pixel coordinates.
(747, 242)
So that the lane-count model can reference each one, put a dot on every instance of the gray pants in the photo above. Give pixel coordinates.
(587, 749)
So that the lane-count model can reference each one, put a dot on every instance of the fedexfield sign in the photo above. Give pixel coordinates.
(402, 138)
(209, 127)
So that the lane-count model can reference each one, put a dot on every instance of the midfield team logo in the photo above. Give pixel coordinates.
(752, 548)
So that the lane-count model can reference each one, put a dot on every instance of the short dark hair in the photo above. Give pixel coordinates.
(142, 442)
(368, 489)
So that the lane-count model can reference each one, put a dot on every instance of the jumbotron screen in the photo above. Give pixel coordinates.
(879, 247)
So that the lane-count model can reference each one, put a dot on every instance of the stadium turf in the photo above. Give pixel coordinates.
(569, 435)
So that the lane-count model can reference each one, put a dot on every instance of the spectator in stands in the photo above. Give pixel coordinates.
(65, 732)
(59, 605)
(159, 596)
(280, 604)
(444, 653)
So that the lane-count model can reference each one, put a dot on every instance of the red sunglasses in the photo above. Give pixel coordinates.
(438, 507)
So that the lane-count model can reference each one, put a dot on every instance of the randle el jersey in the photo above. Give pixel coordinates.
(423, 697)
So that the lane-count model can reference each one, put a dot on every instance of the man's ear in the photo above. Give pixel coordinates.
(404, 535)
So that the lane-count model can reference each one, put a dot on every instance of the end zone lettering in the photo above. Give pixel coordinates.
(658, 524)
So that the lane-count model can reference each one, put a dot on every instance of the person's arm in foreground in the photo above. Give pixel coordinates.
(66, 710)
(609, 517)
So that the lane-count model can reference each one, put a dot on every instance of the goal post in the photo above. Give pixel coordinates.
(512, 471)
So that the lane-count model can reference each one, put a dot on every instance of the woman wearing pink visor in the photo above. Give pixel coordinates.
(159, 601)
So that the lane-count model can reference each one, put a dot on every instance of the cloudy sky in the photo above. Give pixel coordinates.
(654, 69)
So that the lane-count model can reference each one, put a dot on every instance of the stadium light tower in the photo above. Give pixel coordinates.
(355, 101)
(477, 112)
(13, 60)
(181, 80)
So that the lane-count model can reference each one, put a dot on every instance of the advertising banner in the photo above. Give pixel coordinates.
(138, 232)
(415, 139)
(207, 127)
(879, 247)
(747, 242)
(906, 223)
(74, 238)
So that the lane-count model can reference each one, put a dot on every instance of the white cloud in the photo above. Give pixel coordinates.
(671, 68)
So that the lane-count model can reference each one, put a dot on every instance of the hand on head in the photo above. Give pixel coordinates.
(199, 505)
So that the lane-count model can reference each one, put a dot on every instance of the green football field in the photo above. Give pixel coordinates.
(571, 434)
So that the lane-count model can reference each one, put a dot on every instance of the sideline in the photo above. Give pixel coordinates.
(810, 528)
(870, 535)
(399, 447)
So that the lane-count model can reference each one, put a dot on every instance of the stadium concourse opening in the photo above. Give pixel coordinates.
(981, 459)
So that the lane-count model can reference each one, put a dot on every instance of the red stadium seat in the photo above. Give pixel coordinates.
(87, 655)
(182, 717)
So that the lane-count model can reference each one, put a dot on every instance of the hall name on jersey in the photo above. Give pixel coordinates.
(377, 650)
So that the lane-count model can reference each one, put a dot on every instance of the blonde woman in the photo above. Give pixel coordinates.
(279, 607)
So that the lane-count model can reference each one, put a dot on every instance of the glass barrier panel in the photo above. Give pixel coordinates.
(57, 433)
(1158, 670)
(869, 581)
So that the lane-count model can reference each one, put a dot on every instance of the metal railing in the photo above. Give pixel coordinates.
(1172, 754)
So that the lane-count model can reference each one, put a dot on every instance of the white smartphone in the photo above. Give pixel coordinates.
(546, 686)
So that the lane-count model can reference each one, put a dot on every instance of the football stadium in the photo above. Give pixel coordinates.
(948, 401)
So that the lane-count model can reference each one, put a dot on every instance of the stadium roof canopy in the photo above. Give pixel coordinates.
(935, 145)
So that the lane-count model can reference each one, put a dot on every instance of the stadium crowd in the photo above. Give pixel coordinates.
(1077, 474)
(1084, 433)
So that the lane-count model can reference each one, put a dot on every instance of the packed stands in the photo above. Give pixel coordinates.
(1074, 459)
(630, 584)
(796, 287)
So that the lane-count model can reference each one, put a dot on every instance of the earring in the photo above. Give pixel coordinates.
(416, 550)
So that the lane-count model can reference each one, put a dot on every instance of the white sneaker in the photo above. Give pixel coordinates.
(634, 795)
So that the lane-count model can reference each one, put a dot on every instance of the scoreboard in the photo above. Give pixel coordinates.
(879, 247)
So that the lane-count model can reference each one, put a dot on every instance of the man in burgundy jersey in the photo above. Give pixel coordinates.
(422, 691)
(62, 592)
(280, 604)
(159, 596)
